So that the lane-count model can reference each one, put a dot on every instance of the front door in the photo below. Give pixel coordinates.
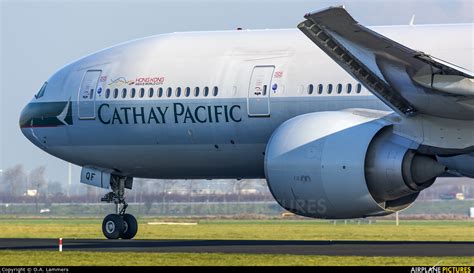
(86, 96)
(258, 100)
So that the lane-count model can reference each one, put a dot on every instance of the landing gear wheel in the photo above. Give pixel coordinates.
(113, 226)
(120, 224)
(131, 226)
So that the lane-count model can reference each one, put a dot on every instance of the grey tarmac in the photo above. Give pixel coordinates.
(322, 247)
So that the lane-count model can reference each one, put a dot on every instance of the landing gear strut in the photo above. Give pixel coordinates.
(120, 224)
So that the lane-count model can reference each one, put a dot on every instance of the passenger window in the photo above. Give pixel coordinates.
(215, 90)
(150, 92)
(196, 91)
(115, 93)
(91, 93)
(359, 88)
(41, 91)
(107, 93)
(310, 89)
(178, 92)
(124, 93)
(133, 92)
(169, 91)
(339, 88)
(320, 89)
(206, 91)
(329, 88)
(142, 92)
(188, 92)
(160, 92)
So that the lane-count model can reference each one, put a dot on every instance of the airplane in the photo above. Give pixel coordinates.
(342, 120)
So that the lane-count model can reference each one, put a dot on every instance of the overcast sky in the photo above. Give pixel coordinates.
(38, 37)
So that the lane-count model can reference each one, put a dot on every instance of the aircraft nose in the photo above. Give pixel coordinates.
(26, 124)
(38, 116)
(24, 117)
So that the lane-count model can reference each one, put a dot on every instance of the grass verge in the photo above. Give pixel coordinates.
(409, 230)
(76, 258)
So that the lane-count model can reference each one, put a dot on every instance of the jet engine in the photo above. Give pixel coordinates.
(345, 164)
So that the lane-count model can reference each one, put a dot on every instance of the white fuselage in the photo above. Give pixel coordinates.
(262, 77)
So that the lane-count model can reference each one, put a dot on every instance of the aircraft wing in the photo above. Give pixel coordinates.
(407, 80)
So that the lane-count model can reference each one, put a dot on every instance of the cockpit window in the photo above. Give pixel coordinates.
(41, 91)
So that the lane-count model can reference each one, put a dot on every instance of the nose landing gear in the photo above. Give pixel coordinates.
(113, 226)
(121, 224)
(117, 226)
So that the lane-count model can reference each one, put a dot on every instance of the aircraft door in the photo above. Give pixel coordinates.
(258, 100)
(86, 95)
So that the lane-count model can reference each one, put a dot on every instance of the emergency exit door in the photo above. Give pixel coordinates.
(258, 100)
(86, 96)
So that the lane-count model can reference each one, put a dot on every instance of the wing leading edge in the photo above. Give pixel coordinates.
(408, 81)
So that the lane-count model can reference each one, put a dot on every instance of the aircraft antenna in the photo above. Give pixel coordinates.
(412, 20)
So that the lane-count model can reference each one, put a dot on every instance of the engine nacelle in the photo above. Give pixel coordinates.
(345, 164)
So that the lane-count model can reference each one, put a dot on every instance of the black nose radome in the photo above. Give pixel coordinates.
(46, 114)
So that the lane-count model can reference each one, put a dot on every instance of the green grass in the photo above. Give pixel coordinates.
(249, 230)
(421, 208)
(228, 230)
(46, 258)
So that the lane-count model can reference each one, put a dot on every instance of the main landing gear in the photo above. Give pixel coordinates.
(120, 224)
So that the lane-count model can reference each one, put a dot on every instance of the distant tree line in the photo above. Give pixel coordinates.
(20, 186)
(16, 181)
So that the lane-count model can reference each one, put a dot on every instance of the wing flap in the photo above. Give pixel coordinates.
(401, 77)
